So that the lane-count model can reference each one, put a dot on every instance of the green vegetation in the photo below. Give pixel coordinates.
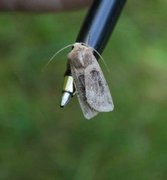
(40, 141)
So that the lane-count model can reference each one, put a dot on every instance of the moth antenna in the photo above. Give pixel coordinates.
(55, 54)
(105, 64)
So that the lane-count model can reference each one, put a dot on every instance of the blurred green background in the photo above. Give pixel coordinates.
(40, 141)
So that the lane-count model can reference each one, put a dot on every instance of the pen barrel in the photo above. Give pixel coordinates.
(100, 22)
(95, 32)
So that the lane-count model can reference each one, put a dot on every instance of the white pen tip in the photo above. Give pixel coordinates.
(65, 99)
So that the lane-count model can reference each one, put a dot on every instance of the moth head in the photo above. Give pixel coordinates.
(80, 46)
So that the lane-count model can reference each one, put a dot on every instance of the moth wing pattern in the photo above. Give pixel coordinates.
(97, 91)
(79, 82)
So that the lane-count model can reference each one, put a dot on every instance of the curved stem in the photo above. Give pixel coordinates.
(42, 5)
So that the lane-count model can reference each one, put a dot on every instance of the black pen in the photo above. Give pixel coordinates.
(95, 32)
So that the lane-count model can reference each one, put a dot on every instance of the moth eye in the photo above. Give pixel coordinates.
(83, 44)
(72, 46)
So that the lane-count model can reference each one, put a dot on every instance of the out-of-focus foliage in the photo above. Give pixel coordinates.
(38, 140)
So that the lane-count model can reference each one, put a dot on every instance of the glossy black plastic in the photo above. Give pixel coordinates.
(100, 22)
(98, 25)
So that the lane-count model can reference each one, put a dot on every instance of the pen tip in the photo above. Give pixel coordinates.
(65, 99)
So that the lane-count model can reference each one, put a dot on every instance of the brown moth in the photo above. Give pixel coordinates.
(92, 89)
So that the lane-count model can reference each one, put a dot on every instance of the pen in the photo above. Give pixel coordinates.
(95, 32)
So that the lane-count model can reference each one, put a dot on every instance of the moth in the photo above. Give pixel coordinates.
(91, 87)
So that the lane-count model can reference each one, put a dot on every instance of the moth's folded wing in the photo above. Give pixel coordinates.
(97, 91)
(79, 82)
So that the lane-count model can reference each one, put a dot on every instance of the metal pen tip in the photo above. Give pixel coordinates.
(68, 90)
(65, 99)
